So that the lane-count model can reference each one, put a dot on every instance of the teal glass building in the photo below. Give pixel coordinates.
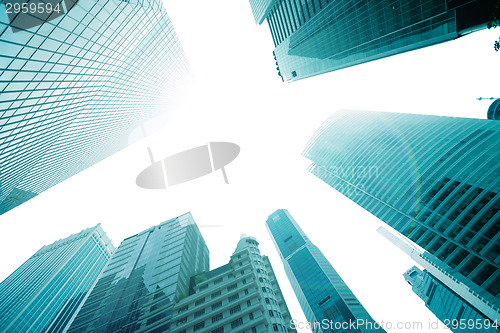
(148, 273)
(313, 37)
(322, 294)
(74, 87)
(435, 180)
(494, 110)
(45, 292)
(459, 315)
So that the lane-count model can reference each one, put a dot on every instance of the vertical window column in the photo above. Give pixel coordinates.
(306, 10)
(312, 7)
(286, 27)
(299, 12)
(273, 32)
(291, 18)
(277, 25)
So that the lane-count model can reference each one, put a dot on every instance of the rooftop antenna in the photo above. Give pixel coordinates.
(494, 108)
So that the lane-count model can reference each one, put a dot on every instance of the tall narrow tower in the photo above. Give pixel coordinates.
(44, 293)
(323, 295)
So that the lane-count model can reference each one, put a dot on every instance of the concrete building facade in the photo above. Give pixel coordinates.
(241, 296)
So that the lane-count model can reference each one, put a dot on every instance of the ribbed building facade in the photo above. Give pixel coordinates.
(325, 298)
(451, 309)
(494, 110)
(148, 273)
(312, 37)
(73, 86)
(241, 296)
(44, 293)
(436, 180)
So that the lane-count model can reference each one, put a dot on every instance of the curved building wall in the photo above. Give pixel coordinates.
(434, 179)
(494, 110)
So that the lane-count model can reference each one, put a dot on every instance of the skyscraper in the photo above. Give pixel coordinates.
(455, 291)
(313, 37)
(74, 87)
(451, 309)
(324, 297)
(241, 296)
(436, 180)
(45, 292)
(149, 272)
(494, 110)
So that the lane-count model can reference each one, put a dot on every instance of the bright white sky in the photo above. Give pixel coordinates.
(239, 98)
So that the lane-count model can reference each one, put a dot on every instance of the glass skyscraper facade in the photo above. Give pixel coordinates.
(260, 9)
(148, 273)
(312, 37)
(322, 294)
(451, 309)
(74, 86)
(45, 292)
(436, 180)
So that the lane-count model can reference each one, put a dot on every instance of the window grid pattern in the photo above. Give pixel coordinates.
(320, 290)
(137, 289)
(74, 88)
(445, 303)
(234, 295)
(317, 36)
(47, 289)
(443, 194)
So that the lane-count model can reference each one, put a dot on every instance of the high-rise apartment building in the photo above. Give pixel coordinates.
(312, 37)
(45, 292)
(241, 296)
(451, 309)
(325, 298)
(436, 180)
(148, 273)
(74, 86)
